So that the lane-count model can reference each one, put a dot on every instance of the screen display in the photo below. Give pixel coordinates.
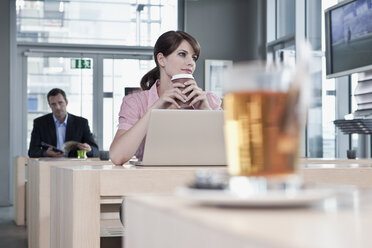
(351, 36)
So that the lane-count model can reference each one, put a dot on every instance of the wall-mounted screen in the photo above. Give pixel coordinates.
(348, 38)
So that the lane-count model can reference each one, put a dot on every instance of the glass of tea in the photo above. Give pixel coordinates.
(264, 113)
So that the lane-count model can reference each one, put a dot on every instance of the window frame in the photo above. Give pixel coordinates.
(343, 94)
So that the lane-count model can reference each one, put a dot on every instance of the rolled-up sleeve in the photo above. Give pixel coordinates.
(214, 101)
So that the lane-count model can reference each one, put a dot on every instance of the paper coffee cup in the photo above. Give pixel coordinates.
(182, 78)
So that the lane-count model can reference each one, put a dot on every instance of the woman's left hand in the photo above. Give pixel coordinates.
(197, 96)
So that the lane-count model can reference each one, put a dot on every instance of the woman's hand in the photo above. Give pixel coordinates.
(197, 96)
(170, 97)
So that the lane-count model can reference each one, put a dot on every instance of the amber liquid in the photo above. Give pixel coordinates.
(259, 139)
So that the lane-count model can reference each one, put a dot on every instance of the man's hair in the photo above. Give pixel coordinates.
(56, 91)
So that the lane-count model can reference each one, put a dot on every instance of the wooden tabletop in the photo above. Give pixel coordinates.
(169, 221)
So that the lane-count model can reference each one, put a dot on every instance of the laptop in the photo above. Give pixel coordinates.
(184, 138)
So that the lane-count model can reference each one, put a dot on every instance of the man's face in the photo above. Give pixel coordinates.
(58, 106)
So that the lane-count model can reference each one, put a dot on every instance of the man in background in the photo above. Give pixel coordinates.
(52, 130)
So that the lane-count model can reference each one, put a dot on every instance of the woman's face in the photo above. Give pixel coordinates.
(181, 61)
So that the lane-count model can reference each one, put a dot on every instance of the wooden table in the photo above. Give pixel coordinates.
(76, 225)
(78, 191)
(169, 221)
(359, 161)
(348, 174)
(38, 196)
(20, 163)
(19, 189)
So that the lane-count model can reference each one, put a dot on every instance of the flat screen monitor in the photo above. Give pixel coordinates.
(348, 38)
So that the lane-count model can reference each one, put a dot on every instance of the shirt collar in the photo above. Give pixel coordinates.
(153, 94)
(64, 123)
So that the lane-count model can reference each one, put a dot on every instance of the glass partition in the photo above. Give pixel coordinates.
(45, 73)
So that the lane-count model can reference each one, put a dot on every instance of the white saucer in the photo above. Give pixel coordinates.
(271, 198)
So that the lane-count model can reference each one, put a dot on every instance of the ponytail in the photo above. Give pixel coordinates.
(150, 78)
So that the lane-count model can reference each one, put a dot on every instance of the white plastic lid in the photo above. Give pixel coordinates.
(178, 76)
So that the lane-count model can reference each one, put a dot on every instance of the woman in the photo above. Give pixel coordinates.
(175, 52)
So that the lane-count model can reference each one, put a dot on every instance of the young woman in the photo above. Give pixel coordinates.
(175, 52)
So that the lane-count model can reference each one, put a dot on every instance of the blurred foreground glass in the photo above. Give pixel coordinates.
(263, 118)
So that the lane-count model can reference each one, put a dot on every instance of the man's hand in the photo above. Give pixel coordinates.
(84, 146)
(50, 153)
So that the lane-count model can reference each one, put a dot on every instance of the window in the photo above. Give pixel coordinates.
(285, 14)
(281, 32)
(116, 37)
(115, 22)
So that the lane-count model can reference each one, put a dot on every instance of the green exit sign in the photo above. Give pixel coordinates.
(81, 64)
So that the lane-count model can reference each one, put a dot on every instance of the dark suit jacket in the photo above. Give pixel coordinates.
(77, 129)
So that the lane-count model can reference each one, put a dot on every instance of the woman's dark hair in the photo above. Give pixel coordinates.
(56, 91)
(166, 44)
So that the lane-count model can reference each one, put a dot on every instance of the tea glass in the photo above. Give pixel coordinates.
(264, 113)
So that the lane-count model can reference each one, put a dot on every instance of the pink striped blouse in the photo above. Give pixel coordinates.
(135, 105)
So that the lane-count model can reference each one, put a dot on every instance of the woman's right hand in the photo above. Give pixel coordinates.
(170, 97)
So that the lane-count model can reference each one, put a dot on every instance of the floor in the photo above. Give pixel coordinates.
(11, 236)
